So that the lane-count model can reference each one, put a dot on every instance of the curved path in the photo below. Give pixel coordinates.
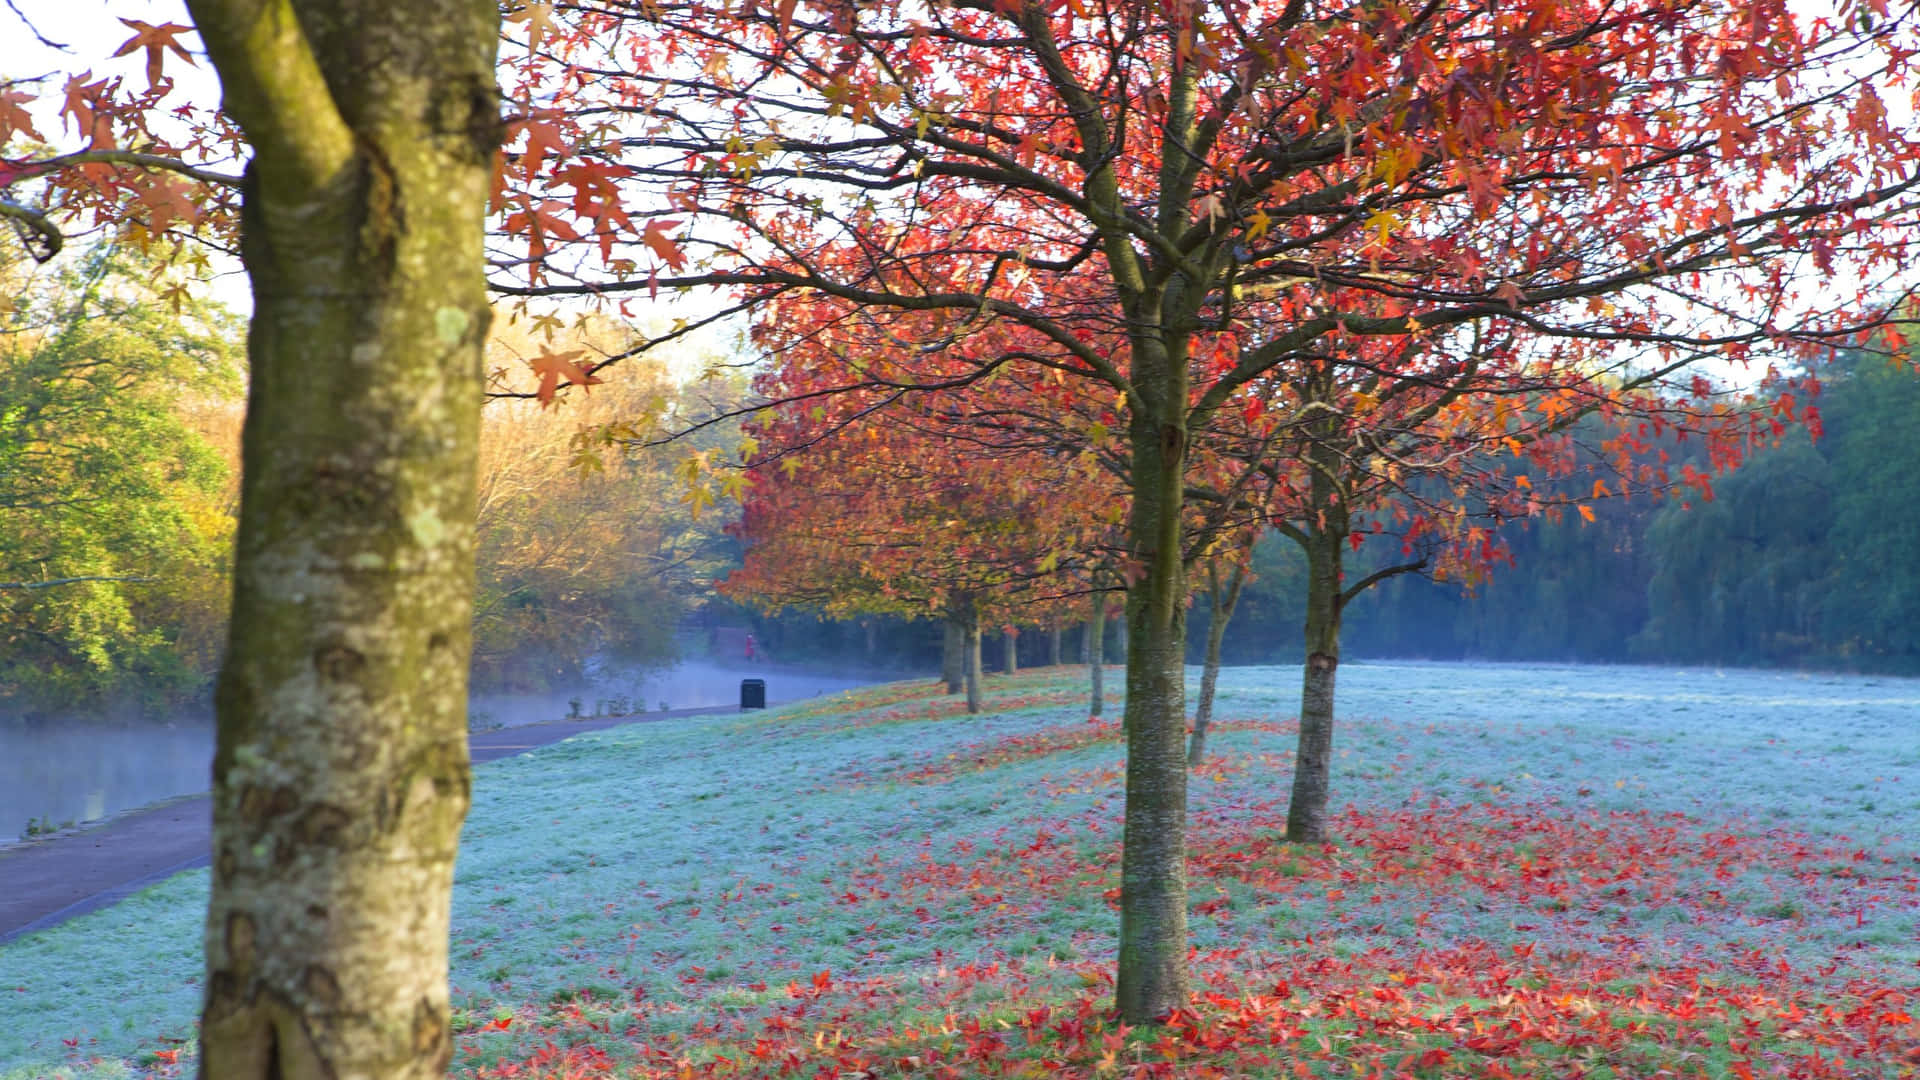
(45, 882)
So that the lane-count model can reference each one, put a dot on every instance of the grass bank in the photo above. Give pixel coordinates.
(1540, 871)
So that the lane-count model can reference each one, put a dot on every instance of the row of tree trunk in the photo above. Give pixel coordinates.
(960, 653)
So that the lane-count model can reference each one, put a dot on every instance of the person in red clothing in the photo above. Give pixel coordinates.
(749, 646)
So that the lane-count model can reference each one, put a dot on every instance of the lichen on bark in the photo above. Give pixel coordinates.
(340, 776)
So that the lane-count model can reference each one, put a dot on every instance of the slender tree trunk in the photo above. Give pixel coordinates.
(1121, 636)
(1152, 977)
(974, 671)
(1096, 639)
(340, 773)
(1012, 651)
(1307, 812)
(953, 654)
(967, 612)
(1055, 645)
(1221, 598)
(872, 628)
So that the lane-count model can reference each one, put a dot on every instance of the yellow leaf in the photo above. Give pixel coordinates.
(1382, 223)
(1257, 224)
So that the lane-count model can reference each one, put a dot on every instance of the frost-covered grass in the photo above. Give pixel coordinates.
(879, 880)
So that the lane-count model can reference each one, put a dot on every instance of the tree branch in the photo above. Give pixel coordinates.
(272, 84)
(41, 237)
(66, 581)
(132, 157)
(1375, 578)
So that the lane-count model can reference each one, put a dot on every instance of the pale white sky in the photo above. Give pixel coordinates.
(91, 30)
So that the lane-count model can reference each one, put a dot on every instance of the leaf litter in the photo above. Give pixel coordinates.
(1538, 871)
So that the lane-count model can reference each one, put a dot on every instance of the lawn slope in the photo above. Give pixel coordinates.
(1539, 872)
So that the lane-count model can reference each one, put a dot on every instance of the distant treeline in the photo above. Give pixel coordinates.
(1808, 555)
(121, 394)
(120, 407)
(1805, 557)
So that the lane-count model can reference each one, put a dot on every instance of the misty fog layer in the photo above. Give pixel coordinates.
(77, 771)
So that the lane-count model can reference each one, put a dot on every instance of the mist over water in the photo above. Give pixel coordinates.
(78, 770)
(691, 684)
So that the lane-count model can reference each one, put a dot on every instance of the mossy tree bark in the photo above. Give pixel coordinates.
(340, 775)
(1152, 978)
(1307, 811)
(1222, 595)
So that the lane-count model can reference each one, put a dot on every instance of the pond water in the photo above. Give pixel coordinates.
(77, 771)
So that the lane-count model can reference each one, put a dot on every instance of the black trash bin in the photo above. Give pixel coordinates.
(753, 694)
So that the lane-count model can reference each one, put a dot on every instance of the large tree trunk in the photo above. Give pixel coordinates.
(953, 654)
(1152, 974)
(1307, 812)
(1011, 651)
(340, 773)
(1055, 645)
(1221, 598)
(1096, 640)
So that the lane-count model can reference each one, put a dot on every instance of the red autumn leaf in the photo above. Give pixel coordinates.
(14, 120)
(556, 368)
(656, 238)
(156, 40)
(543, 138)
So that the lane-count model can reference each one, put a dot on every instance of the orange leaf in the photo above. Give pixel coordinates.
(1587, 512)
(554, 367)
(663, 245)
(13, 118)
(156, 40)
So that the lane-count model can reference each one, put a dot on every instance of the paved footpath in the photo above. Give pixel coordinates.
(46, 882)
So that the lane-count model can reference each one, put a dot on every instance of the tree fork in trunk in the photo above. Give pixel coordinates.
(340, 773)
